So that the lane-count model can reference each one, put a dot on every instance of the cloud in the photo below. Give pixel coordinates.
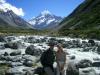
(7, 6)
(2, 1)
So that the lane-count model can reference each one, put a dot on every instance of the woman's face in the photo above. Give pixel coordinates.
(59, 47)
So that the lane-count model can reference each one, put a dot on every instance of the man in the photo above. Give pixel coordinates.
(47, 59)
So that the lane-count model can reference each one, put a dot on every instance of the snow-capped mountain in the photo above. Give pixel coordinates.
(45, 20)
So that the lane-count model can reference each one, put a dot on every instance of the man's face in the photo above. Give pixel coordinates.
(52, 47)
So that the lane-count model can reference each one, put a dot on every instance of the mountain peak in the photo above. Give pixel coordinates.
(45, 12)
(45, 20)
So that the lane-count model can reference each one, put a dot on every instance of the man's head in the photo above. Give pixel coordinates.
(51, 44)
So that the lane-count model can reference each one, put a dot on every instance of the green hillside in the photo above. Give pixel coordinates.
(84, 21)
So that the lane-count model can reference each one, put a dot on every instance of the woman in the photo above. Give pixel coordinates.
(61, 60)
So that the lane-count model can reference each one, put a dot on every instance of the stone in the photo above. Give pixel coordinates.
(84, 63)
(98, 49)
(11, 45)
(6, 54)
(92, 42)
(15, 64)
(14, 53)
(2, 39)
(96, 64)
(31, 50)
(9, 38)
(28, 63)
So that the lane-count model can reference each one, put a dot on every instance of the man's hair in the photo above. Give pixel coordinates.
(51, 43)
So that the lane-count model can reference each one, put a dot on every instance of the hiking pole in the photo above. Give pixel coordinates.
(60, 73)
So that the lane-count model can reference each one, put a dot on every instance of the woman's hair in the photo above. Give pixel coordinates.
(59, 45)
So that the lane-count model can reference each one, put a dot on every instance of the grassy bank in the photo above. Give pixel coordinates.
(92, 34)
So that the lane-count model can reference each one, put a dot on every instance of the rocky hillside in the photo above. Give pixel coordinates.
(10, 19)
(83, 21)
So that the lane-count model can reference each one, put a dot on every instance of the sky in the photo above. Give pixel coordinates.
(32, 8)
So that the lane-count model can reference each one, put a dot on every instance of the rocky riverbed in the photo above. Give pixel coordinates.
(19, 55)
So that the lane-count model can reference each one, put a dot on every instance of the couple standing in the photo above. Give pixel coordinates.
(48, 58)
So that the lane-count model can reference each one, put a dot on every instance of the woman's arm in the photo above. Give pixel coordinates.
(57, 60)
(64, 61)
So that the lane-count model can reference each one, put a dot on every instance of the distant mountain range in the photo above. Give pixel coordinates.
(10, 19)
(84, 21)
(45, 20)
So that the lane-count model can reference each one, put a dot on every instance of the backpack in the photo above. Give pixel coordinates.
(47, 58)
(42, 58)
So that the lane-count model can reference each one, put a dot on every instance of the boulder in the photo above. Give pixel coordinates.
(72, 57)
(92, 42)
(96, 64)
(72, 69)
(84, 63)
(6, 54)
(44, 39)
(2, 39)
(17, 58)
(87, 49)
(98, 49)
(29, 57)
(28, 71)
(84, 44)
(31, 50)
(61, 41)
(87, 71)
(13, 71)
(9, 38)
(31, 40)
(2, 46)
(11, 45)
(11, 58)
(15, 64)
(3, 62)
(28, 63)
(14, 53)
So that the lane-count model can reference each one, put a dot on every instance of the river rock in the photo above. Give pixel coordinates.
(11, 45)
(96, 64)
(92, 42)
(2, 39)
(14, 53)
(14, 71)
(84, 63)
(6, 54)
(2, 46)
(31, 50)
(30, 58)
(10, 38)
(98, 49)
(15, 64)
(28, 63)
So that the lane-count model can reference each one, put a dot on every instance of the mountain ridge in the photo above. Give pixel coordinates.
(45, 20)
(84, 21)
(10, 19)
